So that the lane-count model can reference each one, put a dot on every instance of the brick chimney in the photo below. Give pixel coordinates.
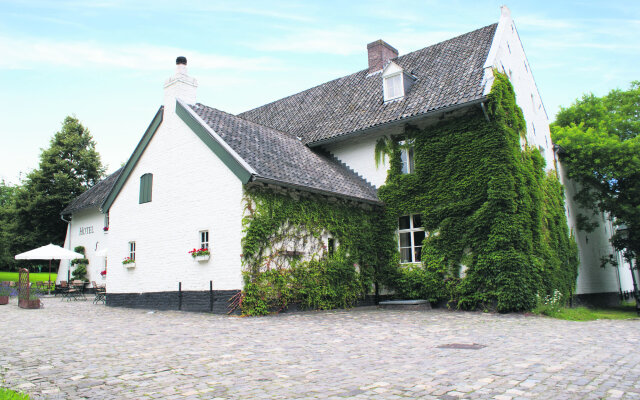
(179, 86)
(379, 53)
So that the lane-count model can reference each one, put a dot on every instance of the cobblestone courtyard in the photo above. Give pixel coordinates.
(81, 350)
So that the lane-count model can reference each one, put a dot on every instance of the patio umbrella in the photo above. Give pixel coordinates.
(49, 252)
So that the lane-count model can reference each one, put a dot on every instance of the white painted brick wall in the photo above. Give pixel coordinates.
(92, 242)
(507, 55)
(192, 191)
(359, 154)
(592, 246)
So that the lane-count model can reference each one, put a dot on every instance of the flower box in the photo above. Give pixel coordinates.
(29, 304)
(200, 255)
(129, 265)
(4, 300)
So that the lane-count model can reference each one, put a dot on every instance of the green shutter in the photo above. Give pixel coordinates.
(146, 183)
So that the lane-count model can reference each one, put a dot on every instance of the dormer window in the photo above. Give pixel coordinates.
(395, 82)
(393, 87)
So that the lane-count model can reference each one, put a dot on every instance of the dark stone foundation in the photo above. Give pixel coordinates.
(198, 301)
(597, 299)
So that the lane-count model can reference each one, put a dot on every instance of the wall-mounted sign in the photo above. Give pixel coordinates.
(86, 230)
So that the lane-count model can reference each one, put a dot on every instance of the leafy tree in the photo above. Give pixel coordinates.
(7, 200)
(67, 168)
(599, 139)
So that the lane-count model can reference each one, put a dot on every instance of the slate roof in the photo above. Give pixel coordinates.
(448, 73)
(95, 196)
(281, 157)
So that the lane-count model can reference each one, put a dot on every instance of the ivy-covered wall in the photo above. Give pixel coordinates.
(285, 254)
(487, 204)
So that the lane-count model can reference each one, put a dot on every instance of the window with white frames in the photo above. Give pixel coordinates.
(406, 156)
(204, 239)
(393, 87)
(132, 250)
(410, 237)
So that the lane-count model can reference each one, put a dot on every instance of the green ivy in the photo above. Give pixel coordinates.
(487, 204)
(286, 261)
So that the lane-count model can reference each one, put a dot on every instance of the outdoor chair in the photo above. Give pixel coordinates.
(100, 293)
(76, 290)
(63, 289)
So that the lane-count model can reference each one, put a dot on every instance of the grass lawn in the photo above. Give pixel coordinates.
(625, 311)
(33, 277)
(6, 394)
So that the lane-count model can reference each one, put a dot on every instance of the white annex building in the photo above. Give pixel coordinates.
(182, 188)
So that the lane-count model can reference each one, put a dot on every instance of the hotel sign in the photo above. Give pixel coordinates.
(86, 230)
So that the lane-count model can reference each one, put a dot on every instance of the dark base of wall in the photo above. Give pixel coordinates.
(597, 299)
(368, 301)
(199, 301)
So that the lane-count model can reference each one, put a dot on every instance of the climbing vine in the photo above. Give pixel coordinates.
(496, 230)
(311, 251)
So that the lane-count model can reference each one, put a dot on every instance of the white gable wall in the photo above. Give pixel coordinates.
(507, 55)
(86, 229)
(192, 191)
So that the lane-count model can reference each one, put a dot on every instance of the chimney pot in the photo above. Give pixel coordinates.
(379, 53)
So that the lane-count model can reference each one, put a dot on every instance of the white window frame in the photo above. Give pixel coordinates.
(132, 250)
(411, 230)
(203, 236)
(407, 154)
(387, 95)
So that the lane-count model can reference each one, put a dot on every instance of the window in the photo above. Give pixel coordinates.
(132, 250)
(146, 182)
(410, 237)
(331, 246)
(393, 88)
(204, 239)
(406, 156)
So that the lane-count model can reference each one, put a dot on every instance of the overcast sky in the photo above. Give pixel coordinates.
(105, 61)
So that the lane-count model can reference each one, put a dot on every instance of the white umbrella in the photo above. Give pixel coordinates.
(49, 252)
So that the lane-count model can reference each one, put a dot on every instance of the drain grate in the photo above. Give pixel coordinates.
(464, 346)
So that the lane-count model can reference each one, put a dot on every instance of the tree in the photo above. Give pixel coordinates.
(7, 201)
(67, 168)
(599, 139)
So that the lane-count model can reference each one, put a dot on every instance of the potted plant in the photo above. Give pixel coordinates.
(103, 274)
(128, 262)
(5, 293)
(32, 303)
(201, 254)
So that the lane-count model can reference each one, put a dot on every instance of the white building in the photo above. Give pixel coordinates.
(183, 186)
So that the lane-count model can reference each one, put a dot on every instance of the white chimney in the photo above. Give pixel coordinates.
(179, 86)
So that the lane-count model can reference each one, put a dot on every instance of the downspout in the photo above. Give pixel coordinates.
(484, 111)
(69, 236)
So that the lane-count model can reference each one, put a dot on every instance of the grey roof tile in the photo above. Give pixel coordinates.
(281, 157)
(94, 196)
(448, 73)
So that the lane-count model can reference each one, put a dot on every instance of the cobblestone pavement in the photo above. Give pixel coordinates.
(80, 350)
